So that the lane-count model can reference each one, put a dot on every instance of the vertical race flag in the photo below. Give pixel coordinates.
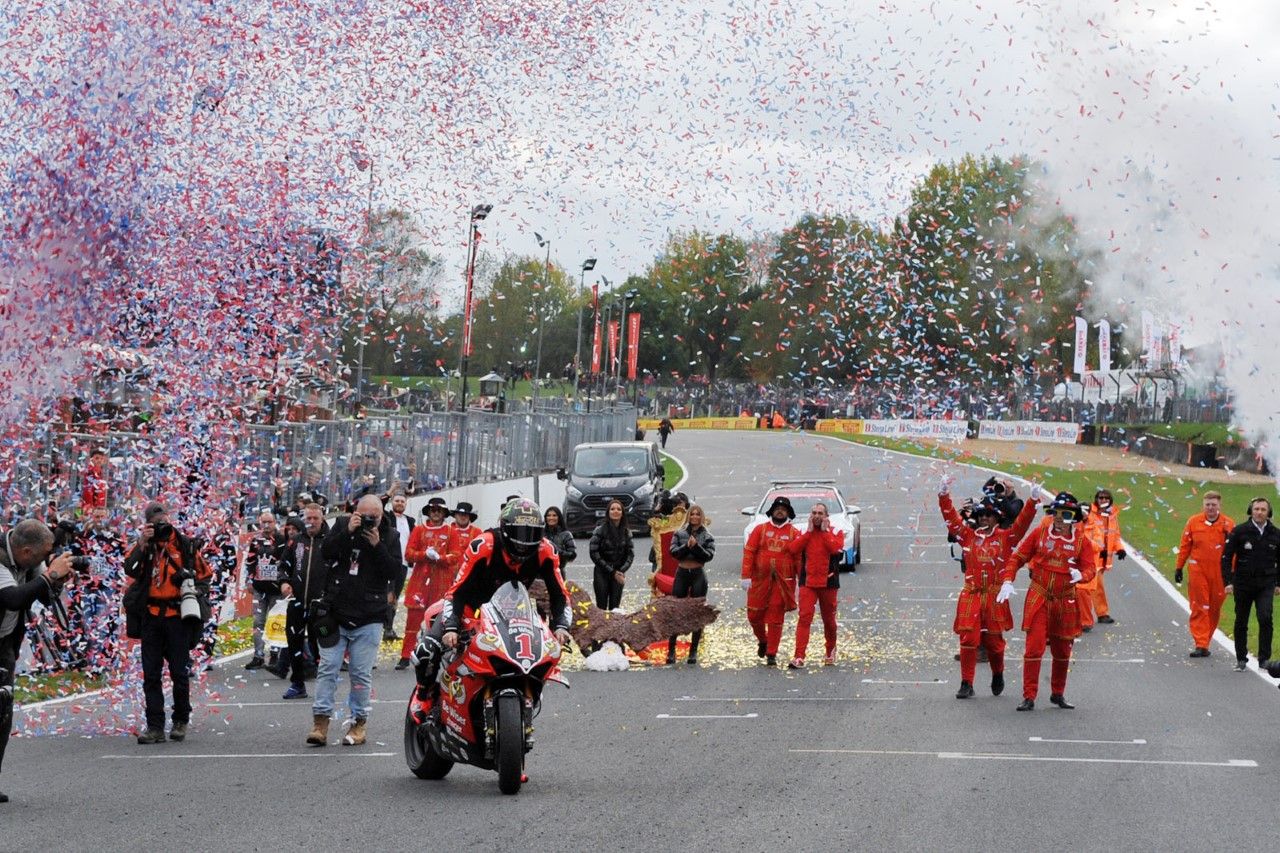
(1148, 339)
(1175, 345)
(595, 340)
(1104, 346)
(1082, 345)
(633, 344)
(613, 345)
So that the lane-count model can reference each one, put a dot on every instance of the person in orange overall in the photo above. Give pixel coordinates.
(986, 547)
(1201, 553)
(1102, 526)
(433, 550)
(819, 581)
(1060, 556)
(769, 577)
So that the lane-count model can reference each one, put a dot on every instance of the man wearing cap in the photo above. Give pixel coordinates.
(160, 562)
(1060, 556)
(24, 579)
(433, 550)
(768, 576)
(464, 520)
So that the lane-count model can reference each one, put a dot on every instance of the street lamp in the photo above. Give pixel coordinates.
(540, 306)
(478, 213)
(587, 265)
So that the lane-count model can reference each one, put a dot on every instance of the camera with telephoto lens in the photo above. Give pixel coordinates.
(189, 603)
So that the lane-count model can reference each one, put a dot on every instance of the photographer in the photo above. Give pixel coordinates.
(363, 555)
(160, 613)
(1001, 493)
(305, 580)
(22, 583)
(263, 571)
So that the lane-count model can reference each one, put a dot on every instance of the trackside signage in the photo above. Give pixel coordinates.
(1045, 431)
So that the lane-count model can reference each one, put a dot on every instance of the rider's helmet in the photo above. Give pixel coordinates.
(522, 528)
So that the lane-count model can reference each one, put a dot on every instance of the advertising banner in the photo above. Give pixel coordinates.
(613, 344)
(1082, 346)
(1041, 431)
(633, 344)
(1104, 346)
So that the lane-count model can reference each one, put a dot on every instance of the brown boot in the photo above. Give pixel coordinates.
(355, 734)
(319, 735)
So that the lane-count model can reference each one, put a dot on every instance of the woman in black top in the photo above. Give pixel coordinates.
(612, 553)
(560, 538)
(693, 546)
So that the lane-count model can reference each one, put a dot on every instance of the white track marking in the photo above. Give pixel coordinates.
(187, 756)
(788, 699)
(1138, 741)
(750, 716)
(887, 681)
(999, 756)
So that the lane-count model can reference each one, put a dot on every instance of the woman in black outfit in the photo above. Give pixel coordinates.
(560, 538)
(693, 546)
(612, 553)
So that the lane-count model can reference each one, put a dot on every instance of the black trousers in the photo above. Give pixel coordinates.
(166, 639)
(608, 590)
(300, 641)
(688, 583)
(1260, 596)
(397, 586)
(8, 663)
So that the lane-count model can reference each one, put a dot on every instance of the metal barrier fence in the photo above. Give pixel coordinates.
(334, 458)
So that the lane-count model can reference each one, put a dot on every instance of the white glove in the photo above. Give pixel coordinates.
(944, 487)
(1076, 577)
(1046, 496)
(1006, 592)
(746, 583)
(433, 554)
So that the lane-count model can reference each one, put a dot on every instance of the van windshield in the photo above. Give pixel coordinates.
(611, 462)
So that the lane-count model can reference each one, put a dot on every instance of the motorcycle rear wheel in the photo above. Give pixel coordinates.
(418, 754)
(510, 746)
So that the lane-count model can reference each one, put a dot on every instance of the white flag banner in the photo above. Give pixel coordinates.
(1148, 339)
(1104, 346)
(1082, 345)
(1175, 344)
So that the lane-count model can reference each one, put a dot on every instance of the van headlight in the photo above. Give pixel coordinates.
(644, 491)
(572, 492)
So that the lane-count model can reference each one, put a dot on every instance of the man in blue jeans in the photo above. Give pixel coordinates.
(362, 553)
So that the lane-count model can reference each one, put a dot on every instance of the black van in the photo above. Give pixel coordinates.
(598, 473)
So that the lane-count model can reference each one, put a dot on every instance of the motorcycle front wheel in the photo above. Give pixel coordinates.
(510, 746)
(418, 754)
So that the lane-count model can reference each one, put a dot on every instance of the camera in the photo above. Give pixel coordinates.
(81, 564)
(368, 522)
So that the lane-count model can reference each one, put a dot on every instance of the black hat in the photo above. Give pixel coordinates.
(434, 502)
(782, 501)
(152, 510)
(986, 506)
(463, 506)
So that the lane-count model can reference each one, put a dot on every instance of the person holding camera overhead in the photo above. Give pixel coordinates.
(24, 580)
(163, 608)
(362, 553)
(1250, 569)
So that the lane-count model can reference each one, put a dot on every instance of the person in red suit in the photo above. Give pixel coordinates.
(434, 551)
(979, 619)
(93, 482)
(1060, 555)
(769, 577)
(819, 581)
(464, 520)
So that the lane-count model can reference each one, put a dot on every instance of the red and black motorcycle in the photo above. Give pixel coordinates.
(480, 710)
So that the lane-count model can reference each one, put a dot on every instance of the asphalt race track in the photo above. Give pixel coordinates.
(1161, 753)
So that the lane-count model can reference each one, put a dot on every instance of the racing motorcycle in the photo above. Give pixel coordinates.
(480, 710)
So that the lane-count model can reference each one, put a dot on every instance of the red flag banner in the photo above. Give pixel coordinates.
(595, 348)
(613, 344)
(633, 344)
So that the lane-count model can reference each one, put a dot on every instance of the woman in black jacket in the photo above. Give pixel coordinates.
(693, 546)
(611, 552)
(560, 538)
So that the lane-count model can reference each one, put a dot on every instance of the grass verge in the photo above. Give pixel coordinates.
(1153, 509)
(674, 473)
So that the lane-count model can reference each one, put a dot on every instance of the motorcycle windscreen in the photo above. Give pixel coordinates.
(518, 625)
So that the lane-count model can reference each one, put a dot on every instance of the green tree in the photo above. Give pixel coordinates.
(504, 329)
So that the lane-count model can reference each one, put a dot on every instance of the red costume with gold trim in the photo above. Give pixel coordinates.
(772, 571)
(430, 579)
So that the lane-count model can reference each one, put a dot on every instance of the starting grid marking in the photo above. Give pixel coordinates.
(750, 716)
(788, 699)
(888, 681)
(1135, 741)
(203, 755)
(1233, 763)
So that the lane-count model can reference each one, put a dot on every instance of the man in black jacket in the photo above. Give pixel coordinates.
(363, 556)
(1250, 569)
(305, 575)
(22, 583)
(263, 570)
